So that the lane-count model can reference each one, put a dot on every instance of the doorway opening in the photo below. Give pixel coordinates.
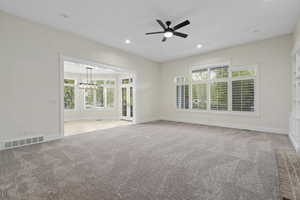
(95, 97)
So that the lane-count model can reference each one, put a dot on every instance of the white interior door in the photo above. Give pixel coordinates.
(127, 99)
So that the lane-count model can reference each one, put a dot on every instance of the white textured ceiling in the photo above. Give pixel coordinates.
(214, 23)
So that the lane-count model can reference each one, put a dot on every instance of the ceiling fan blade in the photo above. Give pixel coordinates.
(161, 24)
(180, 34)
(182, 24)
(154, 32)
(164, 39)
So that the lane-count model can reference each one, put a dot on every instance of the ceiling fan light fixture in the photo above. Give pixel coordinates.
(170, 31)
(168, 34)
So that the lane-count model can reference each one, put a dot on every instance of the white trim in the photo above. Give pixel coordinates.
(230, 125)
(128, 86)
(90, 118)
(294, 143)
(61, 95)
(245, 113)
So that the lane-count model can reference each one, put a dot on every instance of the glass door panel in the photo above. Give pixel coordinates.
(124, 101)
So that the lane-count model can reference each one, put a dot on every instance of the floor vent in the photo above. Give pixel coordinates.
(23, 142)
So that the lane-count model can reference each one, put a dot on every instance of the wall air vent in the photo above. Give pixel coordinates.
(23, 142)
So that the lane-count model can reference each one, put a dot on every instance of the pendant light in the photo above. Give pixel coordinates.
(89, 84)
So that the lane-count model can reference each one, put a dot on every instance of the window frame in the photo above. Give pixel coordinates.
(105, 86)
(229, 80)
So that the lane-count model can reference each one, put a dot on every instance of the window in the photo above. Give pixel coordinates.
(127, 81)
(199, 96)
(200, 75)
(218, 88)
(69, 94)
(89, 98)
(182, 93)
(243, 90)
(219, 96)
(102, 96)
(110, 97)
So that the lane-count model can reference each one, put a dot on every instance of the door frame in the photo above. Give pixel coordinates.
(132, 84)
(62, 59)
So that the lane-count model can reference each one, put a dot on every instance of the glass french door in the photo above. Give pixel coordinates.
(127, 100)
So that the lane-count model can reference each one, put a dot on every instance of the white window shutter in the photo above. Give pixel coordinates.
(243, 95)
(219, 96)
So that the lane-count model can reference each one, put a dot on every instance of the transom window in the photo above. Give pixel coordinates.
(218, 88)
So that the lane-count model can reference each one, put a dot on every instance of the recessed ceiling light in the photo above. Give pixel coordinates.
(64, 15)
(255, 30)
(199, 46)
(127, 41)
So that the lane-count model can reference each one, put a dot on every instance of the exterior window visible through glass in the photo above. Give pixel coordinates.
(110, 97)
(89, 98)
(131, 101)
(199, 96)
(219, 72)
(100, 82)
(127, 81)
(219, 96)
(250, 72)
(124, 102)
(200, 75)
(69, 94)
(100, 97)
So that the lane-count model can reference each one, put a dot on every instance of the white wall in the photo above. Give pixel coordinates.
(29, 76)
(273, 57)
(294, 133)
(297, 36)
(80, 113)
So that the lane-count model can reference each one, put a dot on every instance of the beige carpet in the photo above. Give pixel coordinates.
(85, 126)
(289, 174)
(154, 161)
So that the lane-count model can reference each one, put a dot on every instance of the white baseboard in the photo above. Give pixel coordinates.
(294, 143)
(90, 118)
(227, 125)
(145, 120)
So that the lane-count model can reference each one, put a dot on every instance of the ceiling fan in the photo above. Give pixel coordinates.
(168, 31)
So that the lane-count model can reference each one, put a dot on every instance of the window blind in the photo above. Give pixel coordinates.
(219, 96)
(243, 92)
(182, 96)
